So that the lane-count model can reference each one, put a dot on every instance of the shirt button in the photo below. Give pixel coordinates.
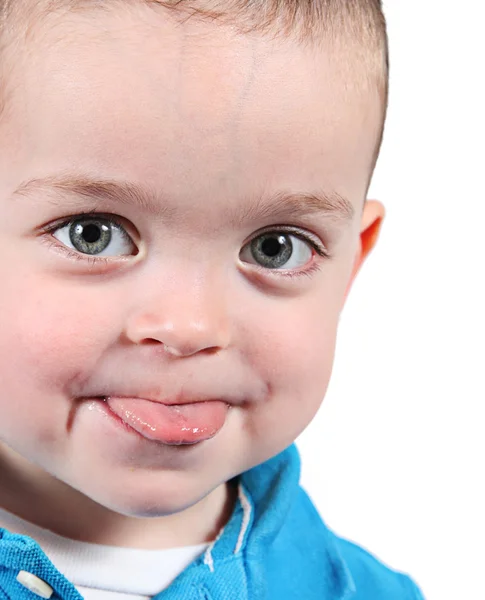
(34, 584)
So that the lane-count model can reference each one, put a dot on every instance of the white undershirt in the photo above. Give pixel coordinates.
(106, 572)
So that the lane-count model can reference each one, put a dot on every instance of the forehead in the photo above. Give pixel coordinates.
(137, 95)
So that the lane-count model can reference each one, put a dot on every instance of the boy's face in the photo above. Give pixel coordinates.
(211, 129)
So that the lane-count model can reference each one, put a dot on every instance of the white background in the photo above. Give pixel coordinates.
(395, 460)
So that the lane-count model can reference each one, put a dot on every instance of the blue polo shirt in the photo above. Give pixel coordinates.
(274, 547)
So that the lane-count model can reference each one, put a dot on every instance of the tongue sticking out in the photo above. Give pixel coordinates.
(171, 424)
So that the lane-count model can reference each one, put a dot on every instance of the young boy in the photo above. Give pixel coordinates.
(183, 212)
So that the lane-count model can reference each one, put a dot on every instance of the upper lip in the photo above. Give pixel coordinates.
(227, 387)
(177, 399)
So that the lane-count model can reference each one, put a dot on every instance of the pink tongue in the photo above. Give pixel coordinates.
(173, 425)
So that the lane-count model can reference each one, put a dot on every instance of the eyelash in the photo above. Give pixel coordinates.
(103, 261)
(92, 261)
(300, 234)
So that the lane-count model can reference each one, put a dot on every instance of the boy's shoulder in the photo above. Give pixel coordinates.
(372, 578)
(275, 546)
(303, 557)
(309, 556)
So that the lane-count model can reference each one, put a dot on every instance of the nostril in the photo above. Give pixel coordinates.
(179, 337)
(189, 350)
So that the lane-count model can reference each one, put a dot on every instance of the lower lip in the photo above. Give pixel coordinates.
(175, 425)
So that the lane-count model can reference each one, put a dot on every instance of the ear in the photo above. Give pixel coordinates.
(371, 223)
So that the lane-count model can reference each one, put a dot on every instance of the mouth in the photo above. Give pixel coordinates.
(187, 423)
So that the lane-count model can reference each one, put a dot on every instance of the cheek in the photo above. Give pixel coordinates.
(294, 353)
(295, 341)
(50, 332)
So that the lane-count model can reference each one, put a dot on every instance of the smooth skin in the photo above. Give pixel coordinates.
(211, 126)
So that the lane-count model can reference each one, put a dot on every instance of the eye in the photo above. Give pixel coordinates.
(278, 250)
(96, 236)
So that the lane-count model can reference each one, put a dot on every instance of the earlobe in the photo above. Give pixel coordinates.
(372, 218)
(371, 223)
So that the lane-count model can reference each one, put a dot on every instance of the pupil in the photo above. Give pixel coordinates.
(91, 234)
(271, 247)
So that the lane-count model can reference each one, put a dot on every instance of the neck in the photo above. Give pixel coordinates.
(36, 496)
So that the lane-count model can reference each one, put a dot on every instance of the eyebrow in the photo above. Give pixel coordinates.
(282, 204)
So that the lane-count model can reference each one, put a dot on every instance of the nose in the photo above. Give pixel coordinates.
(185, 319)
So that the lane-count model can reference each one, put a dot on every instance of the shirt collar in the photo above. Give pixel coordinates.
(266, 495)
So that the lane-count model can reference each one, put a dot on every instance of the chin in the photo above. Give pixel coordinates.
(148, 499)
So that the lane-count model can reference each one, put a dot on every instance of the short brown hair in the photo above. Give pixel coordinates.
(356, 27)
(361, 21)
